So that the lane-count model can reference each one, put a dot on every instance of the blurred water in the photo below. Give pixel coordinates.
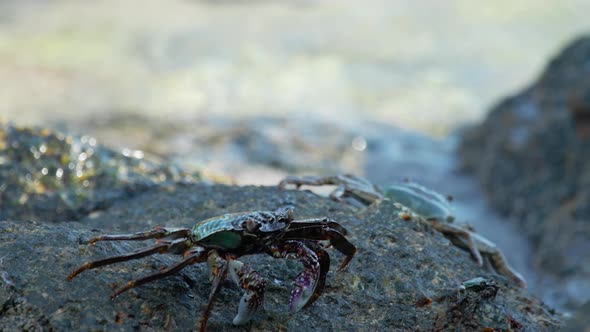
(428, 65)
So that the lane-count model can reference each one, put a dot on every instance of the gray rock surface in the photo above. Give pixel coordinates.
(532, 156)
(405, 276)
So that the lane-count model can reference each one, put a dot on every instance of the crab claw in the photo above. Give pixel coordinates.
(249, 304)
(302, 295)
(323, 229)
(310, 282)
(305, 284)
(253, 285)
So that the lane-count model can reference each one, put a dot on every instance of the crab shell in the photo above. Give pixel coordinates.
(421, 200)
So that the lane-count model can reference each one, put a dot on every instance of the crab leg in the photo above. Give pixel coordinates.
(218, 268)
(308, 280)
(321, 232)
(170, 270)
(460, 238)
(501, 266)
(318, 222)
(252, 284)
(299, 181)
(156, 233)
(159, 248)
(345, 192)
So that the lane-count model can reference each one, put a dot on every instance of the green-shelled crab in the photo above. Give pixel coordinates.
(479, 284)
(221, 240)
(418, 203)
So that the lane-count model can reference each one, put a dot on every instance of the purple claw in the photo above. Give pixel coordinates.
(305, 284)
(307, 281)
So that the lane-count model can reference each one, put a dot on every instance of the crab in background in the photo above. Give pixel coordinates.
(418, 203)
(219, 241)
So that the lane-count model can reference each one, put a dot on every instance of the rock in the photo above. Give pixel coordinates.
(532, 156)
(405, 276)
(47, 175)
(580, 321)
(254, 149)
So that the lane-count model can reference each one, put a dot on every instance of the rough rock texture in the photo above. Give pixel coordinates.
(404, 276)
(47, 175)
(532, 155)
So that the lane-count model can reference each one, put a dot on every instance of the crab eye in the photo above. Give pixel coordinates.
(252, 226)
(290, 213)
(285, 214)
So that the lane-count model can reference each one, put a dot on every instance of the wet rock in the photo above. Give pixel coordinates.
(47, 175)
(405, 275)
(532, 155)
(264, 149)
(253, 149)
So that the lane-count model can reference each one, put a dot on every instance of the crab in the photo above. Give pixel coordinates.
(418, 203)
(479, 284)
(219, 241)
